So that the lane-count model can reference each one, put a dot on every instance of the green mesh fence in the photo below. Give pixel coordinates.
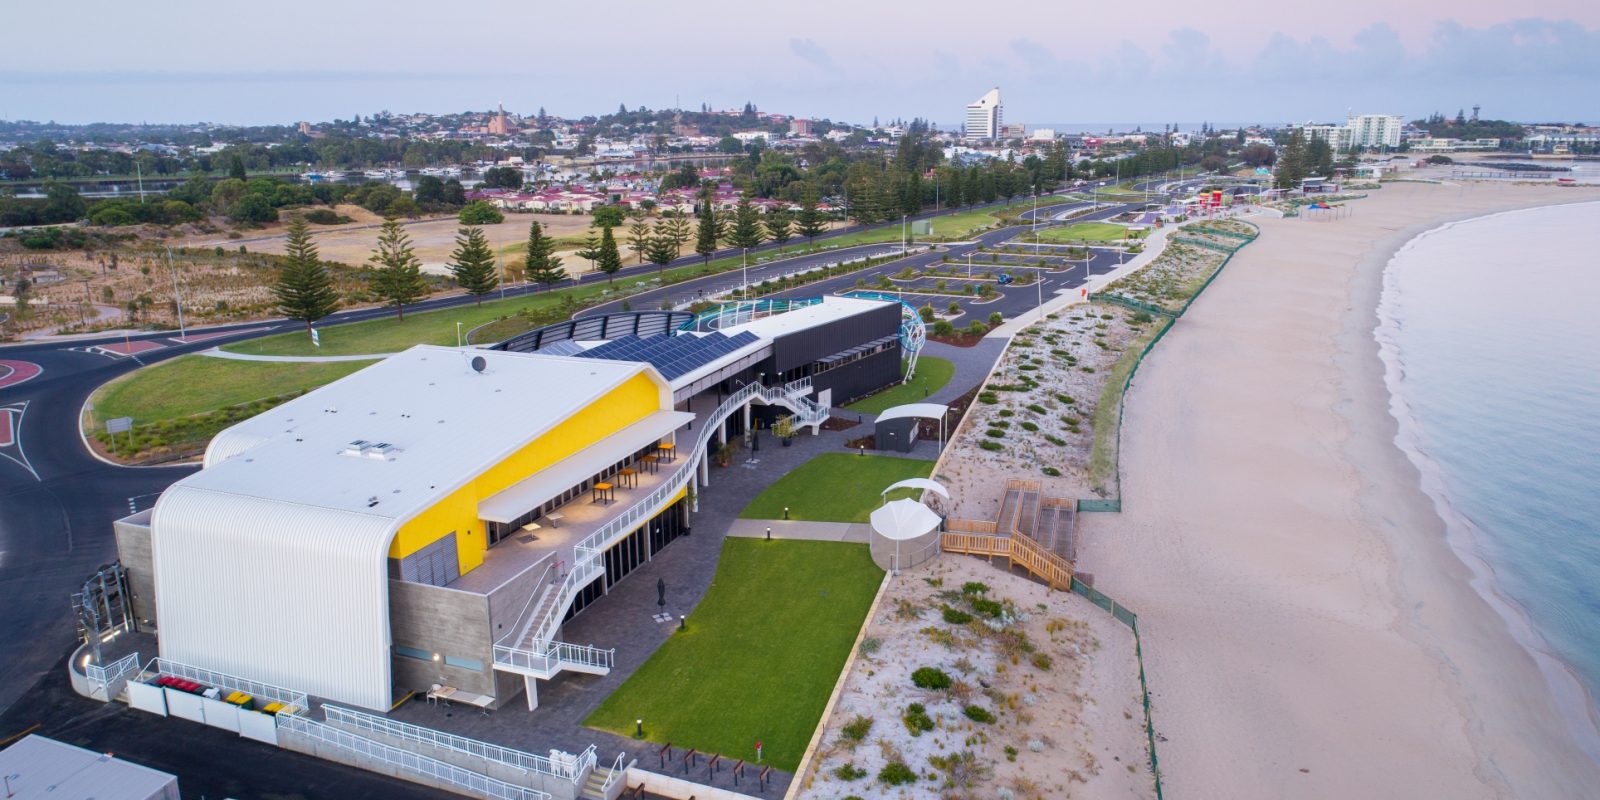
(1247, 237)
(1114, 503)
(1221, 248)
(1124, 615)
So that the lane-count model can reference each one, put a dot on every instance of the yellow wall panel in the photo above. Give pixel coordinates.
(629, 402)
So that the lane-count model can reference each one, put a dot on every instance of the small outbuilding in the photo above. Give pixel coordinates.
(896, 428)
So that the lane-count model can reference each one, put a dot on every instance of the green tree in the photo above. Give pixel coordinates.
(809, 222)
(638, 234)
(660, 248)
(472, 263)
(746, 232)
(705, 242)
(541, 265)
(236, 168)
(304, 290)
(608, 216)
(398, 277)
(608, 260)
(62, 203)
(480, 212)
(590, 251)
(780, 225)
(676, 227)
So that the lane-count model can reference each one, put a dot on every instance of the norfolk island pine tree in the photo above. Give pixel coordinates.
(398, 277)
(472, 263)
(304, 290)
(541, 265)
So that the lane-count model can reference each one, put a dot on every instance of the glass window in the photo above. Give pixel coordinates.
(464, 663)
(412, 652)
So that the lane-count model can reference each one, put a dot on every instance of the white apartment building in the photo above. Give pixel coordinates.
(1365, 130)
(985, 116)
(1375, 130)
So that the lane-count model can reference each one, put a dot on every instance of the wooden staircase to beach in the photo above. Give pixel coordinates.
(1033, 532)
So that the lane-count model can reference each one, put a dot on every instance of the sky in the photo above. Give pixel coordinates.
(1151, 62)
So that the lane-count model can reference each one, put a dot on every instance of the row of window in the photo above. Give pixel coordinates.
(423, 655)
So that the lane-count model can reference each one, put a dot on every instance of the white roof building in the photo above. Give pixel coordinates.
(37, 768)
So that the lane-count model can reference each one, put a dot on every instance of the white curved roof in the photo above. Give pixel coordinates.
(918, 483)
(270, 563)
(927, 410)
(904, 519)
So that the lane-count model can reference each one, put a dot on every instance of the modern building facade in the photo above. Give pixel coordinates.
(433, 520)
(985, 116)
(1374, 130)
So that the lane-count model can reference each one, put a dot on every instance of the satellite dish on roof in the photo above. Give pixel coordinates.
(478, 363)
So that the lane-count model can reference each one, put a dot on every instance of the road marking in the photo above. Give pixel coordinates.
(15, 372)
(11, 436)
(128, 348)
(192, 338)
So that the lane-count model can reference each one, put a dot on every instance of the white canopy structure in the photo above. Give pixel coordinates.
(923, 410)
(925, 484)
(906, 520)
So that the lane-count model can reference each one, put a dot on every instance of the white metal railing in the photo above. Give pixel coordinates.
(612, 775)
(564, 767)
(587, 562)
(407, 761)
(222, 680)
(116, 673)
(807, 411)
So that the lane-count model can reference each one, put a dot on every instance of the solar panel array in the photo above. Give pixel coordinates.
(672, 356)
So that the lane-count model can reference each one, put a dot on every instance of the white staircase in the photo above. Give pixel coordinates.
(532, 650)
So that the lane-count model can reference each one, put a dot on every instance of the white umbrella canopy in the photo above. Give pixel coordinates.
(904, 519)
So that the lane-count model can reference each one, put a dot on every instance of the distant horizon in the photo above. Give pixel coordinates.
(1050, 60)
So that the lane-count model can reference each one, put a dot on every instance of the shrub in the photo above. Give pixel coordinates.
(1029, 426)
(1051, 471)
(978, 714)
(995, 433)
(1011, 753)
(1036, 408)
(856, 730)
(1041, 661)
(989, 608)
(930, 678)
(1142, 317)
(954, 308)
(977, 328)
(956, 616)
(896, 773)
(325, 216)
(926, 312)
(870, 645)
(995, 318)
(916, 719)
(480, 212)
(988, 398)
(991, 445)
(974, 588)
(849, 772)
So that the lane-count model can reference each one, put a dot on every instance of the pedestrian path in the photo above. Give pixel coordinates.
(217, 353)
(801, 529)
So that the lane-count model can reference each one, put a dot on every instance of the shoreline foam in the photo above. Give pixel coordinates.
(1309, 630)
(1575, 702)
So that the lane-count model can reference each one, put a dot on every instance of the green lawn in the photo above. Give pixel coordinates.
(834, 487)
(955, 226)
(193, 384)
(932, 375)
(760, 656)
(1084, 231)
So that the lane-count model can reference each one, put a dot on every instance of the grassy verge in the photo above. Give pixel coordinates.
(1108, 414)
(178, 405)
(932, 375)
(760, 654)
(1085, 232)
(834, 487)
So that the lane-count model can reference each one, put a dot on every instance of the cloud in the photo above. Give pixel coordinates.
(808, 50)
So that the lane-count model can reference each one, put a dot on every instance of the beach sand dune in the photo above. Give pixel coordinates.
(1309, 630)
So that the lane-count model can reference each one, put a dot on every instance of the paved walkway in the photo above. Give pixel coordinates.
(858, 532)
(219, 353)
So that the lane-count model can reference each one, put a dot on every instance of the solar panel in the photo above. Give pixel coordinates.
(672, 356)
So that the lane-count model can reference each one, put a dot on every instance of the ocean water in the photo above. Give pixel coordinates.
(1490, 329)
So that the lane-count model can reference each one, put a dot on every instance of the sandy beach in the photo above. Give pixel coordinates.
(1309, 629)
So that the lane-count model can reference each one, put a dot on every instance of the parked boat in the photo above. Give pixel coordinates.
(376, 174)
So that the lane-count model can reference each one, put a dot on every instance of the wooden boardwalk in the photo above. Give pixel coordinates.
(1033, 531)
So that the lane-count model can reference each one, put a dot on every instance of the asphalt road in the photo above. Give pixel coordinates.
(57, 502)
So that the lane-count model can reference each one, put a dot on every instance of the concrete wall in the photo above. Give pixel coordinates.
(443, 621)
(133, 550)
